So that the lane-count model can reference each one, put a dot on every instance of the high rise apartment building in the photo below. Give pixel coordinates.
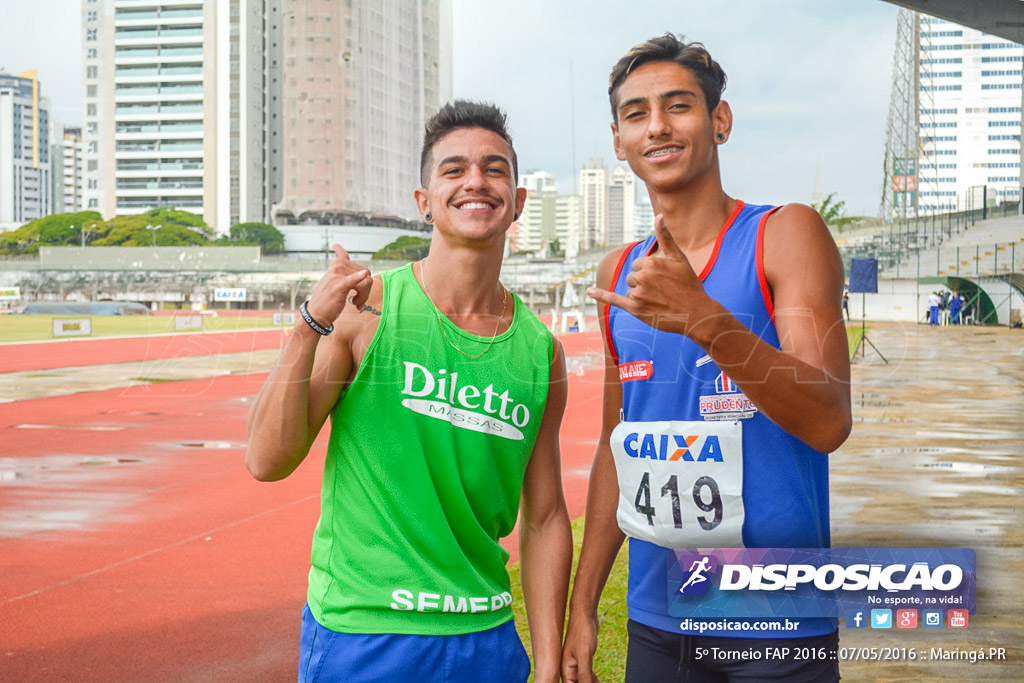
(66, 165)
(609, 205)
(550, 221)
(621, 201)
(25, 181)
(535, 181)
(643, 217)
(594, 204)
(360, 80)
(969, 118)
(150, 101)
(248, 110)
(243, 111)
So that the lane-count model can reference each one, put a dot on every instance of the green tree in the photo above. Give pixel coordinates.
(165, 216)
(833, 212)
(267, 236)
(830, 210)
(405, 248)
(54, 230)
(142, 230)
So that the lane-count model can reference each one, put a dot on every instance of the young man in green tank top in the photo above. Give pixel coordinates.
(445, 395)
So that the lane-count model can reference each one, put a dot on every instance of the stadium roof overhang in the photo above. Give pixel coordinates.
(1003, 18)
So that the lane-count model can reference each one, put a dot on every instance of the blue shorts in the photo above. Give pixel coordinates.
(327, 656)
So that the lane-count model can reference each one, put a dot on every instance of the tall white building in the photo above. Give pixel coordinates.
(535, 181)
(969, 117)
(150, 130)
(594, 204)
(247, 179)
(643, 217)
(528, 231)
(25, 181)
(621, 201)
(66, 164)
(549, 219)
(240, 111)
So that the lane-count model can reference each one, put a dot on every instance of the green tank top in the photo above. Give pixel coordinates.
(424, 470)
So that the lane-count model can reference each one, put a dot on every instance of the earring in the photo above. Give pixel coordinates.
(515, 217)
(427, 217)
(720, 137)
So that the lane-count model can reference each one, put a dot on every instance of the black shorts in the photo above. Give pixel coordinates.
(656, 656)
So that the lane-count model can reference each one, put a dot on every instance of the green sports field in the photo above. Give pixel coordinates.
(854, 333)
(610, 658)
(22, 328)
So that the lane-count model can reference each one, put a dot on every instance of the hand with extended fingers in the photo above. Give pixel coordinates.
(664, 291)
(332, 292)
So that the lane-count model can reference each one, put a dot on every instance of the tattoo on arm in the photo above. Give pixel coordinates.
(365, 308)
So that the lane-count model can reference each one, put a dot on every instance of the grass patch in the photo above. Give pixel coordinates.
(854, 333)
(610, 658)
(22, 328)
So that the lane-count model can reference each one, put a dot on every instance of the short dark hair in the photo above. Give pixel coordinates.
(667, 48)
(464, 114)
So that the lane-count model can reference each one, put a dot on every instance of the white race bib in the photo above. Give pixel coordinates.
(680, 483)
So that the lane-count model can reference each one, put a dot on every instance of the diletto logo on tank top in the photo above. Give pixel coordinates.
(441, 396)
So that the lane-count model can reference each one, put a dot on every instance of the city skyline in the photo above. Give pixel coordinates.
(809, 83)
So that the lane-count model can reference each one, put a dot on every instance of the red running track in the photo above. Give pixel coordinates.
(104, 350)
(131, 553)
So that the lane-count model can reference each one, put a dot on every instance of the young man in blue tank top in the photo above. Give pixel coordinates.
(725, 326)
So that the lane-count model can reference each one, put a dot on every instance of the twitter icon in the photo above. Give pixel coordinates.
(881, 618)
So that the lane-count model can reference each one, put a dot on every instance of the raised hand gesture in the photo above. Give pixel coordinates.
(331, 293)
(664, 291)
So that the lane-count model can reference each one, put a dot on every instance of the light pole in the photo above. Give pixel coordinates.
(85, 233)
(153, 229)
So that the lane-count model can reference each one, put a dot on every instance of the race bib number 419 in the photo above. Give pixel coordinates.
(680, 483)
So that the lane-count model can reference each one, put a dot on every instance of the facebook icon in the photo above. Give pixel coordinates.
(855, 619)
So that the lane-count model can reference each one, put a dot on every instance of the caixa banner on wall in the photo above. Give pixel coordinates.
(229, 294)
(817, 582)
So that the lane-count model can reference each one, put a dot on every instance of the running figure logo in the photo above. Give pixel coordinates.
(696, 568)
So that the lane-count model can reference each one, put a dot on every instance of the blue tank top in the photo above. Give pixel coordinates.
(667, 376)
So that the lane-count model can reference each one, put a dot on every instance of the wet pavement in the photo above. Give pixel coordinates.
(28, 384)
(936, 459)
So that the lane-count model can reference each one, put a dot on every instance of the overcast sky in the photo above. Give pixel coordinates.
(808, 80)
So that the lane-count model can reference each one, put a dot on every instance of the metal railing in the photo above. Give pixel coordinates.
(904, 248)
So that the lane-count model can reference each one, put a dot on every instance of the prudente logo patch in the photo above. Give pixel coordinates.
(727, 403)
(441, 396)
